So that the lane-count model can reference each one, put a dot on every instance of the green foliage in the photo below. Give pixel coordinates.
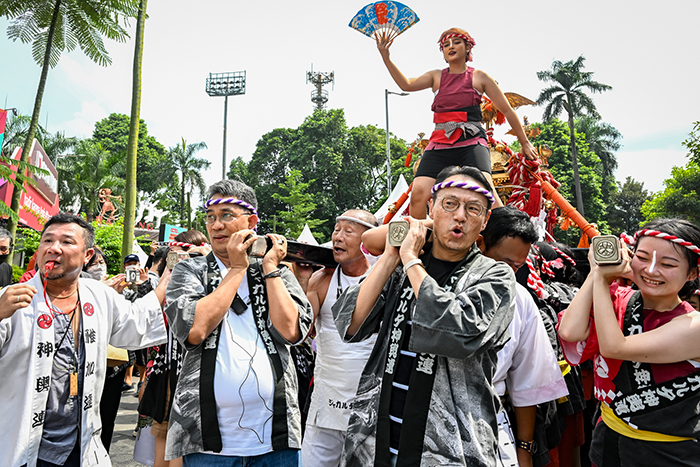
(182, 157)
(153, 168)
(679, 197)
(625, 209)
(29, 241)
(17, 273)
(604, 140)
(238, 170)
(567, 93)
(347, 166)
(109, 238)
(79, 23)
(84, 176)
(299, 205)
(556, 135)
(693, 143)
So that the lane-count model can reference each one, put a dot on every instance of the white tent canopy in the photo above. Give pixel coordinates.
(399, 189)
(306, 236)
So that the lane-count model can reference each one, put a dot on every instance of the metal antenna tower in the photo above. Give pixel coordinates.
(319, 79)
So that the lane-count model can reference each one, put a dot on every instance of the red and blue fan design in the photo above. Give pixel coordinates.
(384, 19)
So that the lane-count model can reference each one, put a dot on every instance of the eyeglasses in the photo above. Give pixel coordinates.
(223, 218)
(472, 208)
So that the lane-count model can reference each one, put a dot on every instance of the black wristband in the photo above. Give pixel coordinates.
(273, 274)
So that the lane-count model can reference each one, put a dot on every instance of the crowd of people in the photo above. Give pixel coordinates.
(467, 342)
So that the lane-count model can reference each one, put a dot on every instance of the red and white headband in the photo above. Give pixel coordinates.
(185, 245)
(658, 234)
(469, 40)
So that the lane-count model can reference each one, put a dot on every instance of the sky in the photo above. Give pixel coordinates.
(641, 49)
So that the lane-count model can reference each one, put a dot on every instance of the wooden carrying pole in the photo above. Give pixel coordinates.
(567, 209)
(402, 199)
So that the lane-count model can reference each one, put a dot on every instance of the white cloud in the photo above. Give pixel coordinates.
(651, 166)
(82, 124)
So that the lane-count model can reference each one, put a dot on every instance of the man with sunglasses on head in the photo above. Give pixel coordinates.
(237, 316)
(442, 311)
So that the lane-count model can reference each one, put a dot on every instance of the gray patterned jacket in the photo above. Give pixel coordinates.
(465, 329)
(185, 434)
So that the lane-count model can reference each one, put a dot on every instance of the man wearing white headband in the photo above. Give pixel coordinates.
(237, 317)
(442, 311)
(338, 364)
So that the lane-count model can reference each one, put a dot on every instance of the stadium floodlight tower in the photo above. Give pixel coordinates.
(225, 84)
(319, 79)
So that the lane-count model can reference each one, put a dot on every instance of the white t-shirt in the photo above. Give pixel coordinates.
(243, 383)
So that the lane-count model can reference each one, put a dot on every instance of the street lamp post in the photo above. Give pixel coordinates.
(388, 152)
(225, 84)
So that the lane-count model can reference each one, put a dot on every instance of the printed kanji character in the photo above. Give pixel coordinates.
(636, 403)
(643, 377)
(38, 418)
(393, 349)
(425, 364)
(90, 336)
(44, 349)
(396, 335)
(621, 407)
(89, 368)
(88, 402)
(390, 363)
(650, 398)
(42, 384)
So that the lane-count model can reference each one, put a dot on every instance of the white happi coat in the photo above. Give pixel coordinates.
(26, 356)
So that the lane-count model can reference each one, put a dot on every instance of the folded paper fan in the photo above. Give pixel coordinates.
(386, 19)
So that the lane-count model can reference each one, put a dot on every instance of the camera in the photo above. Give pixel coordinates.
(132, 274)
(398, 229)
(606, 250)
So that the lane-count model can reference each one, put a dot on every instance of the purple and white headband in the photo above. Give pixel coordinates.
(239, 202)
(466, 186)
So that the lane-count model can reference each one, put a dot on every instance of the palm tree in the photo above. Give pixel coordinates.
(567, 93)
(92, 171)
(54, 27)
(603, 139)
(132, 146)
(190, 168)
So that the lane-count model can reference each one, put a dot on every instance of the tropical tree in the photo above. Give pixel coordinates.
(567, 93)
(555, 134)
(92, 172)
(693, 143)
(130, 200)
(347, 166)
(190, 167)
(625, 209)
(298, 206)
(58, 26)
(604, 140)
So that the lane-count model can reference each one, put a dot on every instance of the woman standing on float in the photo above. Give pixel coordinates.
(645, 347)
(459, 138)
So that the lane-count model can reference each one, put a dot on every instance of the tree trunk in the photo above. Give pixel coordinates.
(574, 160)
(189, 212)
(130, 199)
(182, 198)
(31, 132)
